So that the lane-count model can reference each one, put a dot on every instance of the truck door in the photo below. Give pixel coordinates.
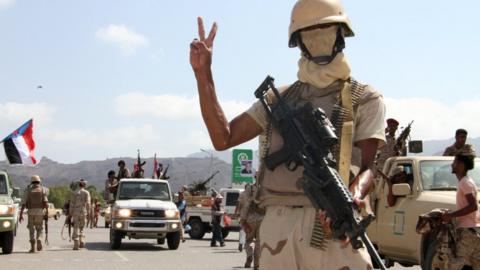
(231, 199)
(396, 224)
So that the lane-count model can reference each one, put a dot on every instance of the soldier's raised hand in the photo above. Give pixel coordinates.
(201, 49)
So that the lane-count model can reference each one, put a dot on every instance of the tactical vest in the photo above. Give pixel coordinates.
(340, 102)
(35, 197)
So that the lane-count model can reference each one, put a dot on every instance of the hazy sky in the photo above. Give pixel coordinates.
(115, 75)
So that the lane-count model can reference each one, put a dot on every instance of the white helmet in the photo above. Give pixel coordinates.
(307, 13)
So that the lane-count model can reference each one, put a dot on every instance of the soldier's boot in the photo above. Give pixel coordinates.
(248, 263)
(75, 244)
(39, 245)
(32, 246)
(82, 245)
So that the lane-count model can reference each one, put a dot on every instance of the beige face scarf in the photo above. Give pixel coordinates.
(320, 42)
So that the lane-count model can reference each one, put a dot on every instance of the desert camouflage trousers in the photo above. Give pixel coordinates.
(468, 249)
(285, 244)
(35, 223)
(78, 228)
(253, 237)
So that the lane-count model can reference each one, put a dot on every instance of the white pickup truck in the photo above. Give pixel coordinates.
(199, 217)
(433, 186)
(143, 209)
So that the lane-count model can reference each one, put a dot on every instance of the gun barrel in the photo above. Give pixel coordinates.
(372, 251)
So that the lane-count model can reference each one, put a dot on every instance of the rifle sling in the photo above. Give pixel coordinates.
(345, 154)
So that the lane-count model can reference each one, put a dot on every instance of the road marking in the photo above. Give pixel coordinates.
(125, 259)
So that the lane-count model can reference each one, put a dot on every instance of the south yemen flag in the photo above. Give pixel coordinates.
(19, 145)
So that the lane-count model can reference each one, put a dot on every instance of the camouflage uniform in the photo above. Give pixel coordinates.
(452, 150)
(251, 214)
(288, 225)
(386, 152)
(35, 199)
(79, 209)
(468, 249)
(123, 173)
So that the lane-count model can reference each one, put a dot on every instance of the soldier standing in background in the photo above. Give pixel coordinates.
(79, 209)
(123, 172)
(389, 149)
(36, 201)
(111, 186)
(460, 146)
(251, 216)
(96, 212)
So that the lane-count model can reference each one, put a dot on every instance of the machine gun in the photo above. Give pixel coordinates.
(400, 143)
(138, 170)
(163, 174)
(46, 227)
(201, 186)
(68, 223)
(308, 137)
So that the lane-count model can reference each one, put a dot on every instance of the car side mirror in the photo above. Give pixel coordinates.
(401, 190)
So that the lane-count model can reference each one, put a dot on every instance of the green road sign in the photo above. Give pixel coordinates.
(242, 167)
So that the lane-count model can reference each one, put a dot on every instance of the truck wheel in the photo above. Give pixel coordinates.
(225, 232)
(115, 239)
(107, 224)
(197, 230)
(7, 242)
(173, 240)
(55, 217)
(430, 254)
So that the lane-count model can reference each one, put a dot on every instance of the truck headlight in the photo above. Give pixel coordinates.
(6, 224)
(124, 212)
(6, 210)
(171, 213)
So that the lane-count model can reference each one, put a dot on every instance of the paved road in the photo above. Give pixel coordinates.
(134, 254)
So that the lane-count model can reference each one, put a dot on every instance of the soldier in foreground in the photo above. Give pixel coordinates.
(318, 28)
(467, 216)
(460, 146)
(36, 201)
(251, 216)
(79, 209)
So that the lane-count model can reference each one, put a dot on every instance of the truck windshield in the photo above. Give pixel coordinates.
(437, 175)
(3, 184)
(144, 190)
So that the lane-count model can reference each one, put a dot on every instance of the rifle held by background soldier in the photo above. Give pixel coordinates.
(46, 226)
(163, 174)
(400, 146)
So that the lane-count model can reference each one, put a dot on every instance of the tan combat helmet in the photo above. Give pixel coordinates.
(35, 179)
(307, 13)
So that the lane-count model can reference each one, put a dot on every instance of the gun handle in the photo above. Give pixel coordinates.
(277, 158)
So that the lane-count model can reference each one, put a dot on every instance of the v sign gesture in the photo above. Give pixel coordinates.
(223, 134)
(201, 50)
